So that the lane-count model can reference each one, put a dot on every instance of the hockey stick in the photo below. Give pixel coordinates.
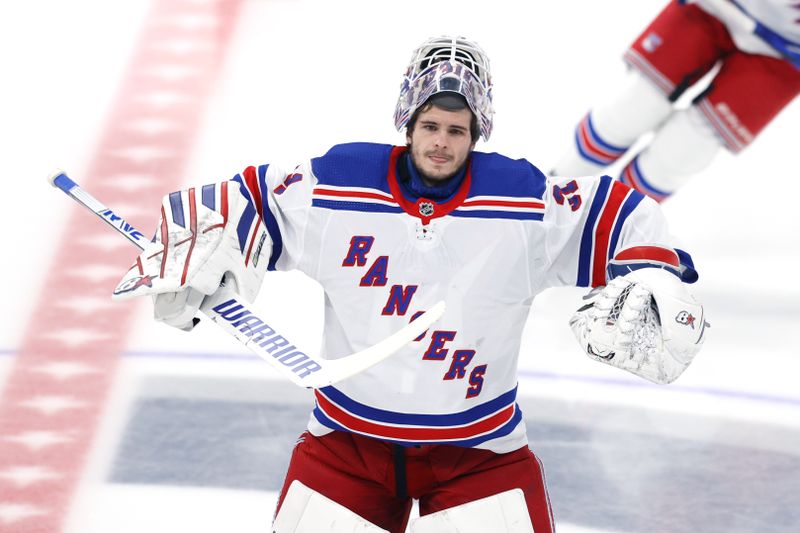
(732, 13)
(231, 313)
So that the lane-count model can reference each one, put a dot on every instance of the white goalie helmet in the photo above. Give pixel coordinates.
(447, 64)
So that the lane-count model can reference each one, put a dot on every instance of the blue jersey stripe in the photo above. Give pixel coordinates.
(413, 419)
(269, 220)
(246, 220)
(510, 215)
(245, 223)
(502, 431)
(348, 205)
(587, 240)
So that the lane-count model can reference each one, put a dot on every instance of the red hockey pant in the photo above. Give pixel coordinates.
(378, 480)
(746, 94)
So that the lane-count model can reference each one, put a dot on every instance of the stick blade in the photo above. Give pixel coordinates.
(228, 311)
(339, 369)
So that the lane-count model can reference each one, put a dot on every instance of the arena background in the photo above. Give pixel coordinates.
(110, 422)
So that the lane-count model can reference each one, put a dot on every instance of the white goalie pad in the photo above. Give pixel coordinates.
(202, 236)
(501, 513)
(305, 510)
(645, 322)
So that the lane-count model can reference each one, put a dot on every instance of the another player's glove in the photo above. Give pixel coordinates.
(201, 238)
(645, 322)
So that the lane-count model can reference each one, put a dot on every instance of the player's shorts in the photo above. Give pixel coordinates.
(367, 476)
(684, 42)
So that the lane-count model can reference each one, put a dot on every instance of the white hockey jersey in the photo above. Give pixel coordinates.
(506, 234)
(781, 17)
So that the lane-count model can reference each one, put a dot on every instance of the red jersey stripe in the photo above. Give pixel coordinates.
(413, 433)
(602, 233)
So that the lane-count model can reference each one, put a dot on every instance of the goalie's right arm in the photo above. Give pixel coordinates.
(204, 234)
(645, 322)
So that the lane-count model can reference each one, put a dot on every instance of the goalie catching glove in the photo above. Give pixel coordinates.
(203, 235)
(645, 322)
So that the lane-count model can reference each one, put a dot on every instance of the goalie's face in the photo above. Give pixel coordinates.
(440, 143)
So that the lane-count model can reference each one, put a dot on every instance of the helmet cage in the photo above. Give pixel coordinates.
(447, 65)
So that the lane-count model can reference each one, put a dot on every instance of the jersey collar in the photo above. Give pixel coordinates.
(423, 208)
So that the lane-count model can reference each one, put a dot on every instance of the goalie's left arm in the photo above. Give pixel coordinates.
(645, 322)
(641, 316)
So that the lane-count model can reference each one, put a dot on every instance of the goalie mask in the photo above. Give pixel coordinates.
(447, 64)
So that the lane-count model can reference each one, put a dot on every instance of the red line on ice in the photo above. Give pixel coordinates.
(60, 381)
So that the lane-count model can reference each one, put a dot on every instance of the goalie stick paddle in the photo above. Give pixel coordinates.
(228, 310)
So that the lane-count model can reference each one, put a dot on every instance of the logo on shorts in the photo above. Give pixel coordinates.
(651, 41)
(685, 318)
(738, 129)
(134, 283)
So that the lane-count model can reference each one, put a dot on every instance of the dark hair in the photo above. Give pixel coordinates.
(448, 102)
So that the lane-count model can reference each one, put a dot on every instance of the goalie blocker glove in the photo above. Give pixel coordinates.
(203, 235)
(645, 322)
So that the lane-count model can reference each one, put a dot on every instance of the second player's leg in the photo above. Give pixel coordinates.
(607, 132)
(683, 146)
(747, 93)
(675, 50)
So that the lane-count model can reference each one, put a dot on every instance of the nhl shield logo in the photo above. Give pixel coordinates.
(426, 209)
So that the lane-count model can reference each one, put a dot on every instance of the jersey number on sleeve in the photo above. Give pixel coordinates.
(569, 193)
